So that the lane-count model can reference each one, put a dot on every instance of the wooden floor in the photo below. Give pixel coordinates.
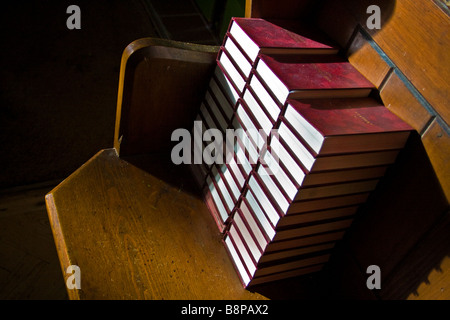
(29, 266)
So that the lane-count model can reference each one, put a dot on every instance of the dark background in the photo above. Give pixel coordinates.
(58, 87)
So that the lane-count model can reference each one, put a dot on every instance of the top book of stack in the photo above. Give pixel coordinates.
(257, 36)
(248, 37)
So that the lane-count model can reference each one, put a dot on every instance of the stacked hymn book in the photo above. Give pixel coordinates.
(309, 144)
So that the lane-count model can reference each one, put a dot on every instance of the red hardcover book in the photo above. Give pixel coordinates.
(302, 77)
(222, 185)
(299, 160)
(313, 216)
(318, 231)
(263, 118)
(287, 274)
(305, 241)
(226, 85)
(215, 95)
(246, 255)
(278, 268)
(253, 224)
(289, 253)
(214, 111)
(239, 151)
(229, 180)
(238, 173)
(245, 129)
(236, 259)
(256, 35)
(265, 97)
(289, 177)
(276, 205)
(332, 126)
(234, 49)
(215, 204)
(230, 68)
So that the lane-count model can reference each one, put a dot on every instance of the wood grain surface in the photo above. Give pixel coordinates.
(136, 236)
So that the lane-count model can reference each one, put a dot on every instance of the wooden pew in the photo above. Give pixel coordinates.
(138, 228)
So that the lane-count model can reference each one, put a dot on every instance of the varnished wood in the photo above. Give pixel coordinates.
(400, 100)
(437, 144)
(418, 269)
(416, 42)
(161, 85)
(135, 236)
(367, 61)
(416, 39)
(436, 287)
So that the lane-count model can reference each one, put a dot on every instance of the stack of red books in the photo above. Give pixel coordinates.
(308, 144)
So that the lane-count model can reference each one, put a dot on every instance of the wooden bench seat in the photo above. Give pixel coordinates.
(136, 236)
(134, 224)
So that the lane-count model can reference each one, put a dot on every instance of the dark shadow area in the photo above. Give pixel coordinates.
(403, 228)
(58, 93)
(160, 165)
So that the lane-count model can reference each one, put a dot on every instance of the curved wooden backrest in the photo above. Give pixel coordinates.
(161, 86)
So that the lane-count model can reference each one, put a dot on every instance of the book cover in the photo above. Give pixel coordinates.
(346, 125)
(279, 36)
(312, 76)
